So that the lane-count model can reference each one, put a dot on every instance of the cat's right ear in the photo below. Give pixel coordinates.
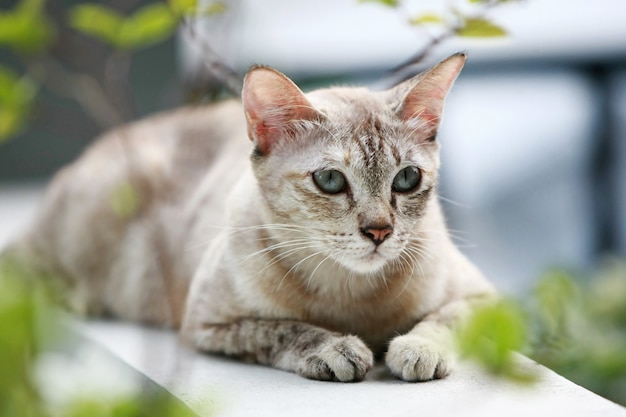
(423, 104)
(273, 105)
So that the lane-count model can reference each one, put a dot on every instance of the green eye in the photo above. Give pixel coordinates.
(330, 181)
(406, 180)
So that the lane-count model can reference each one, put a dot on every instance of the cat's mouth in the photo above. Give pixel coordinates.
(370, 262)
(373, 256)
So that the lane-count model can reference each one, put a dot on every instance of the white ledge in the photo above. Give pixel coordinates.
(218, 386)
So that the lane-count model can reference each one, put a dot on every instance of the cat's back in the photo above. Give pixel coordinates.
(178, 142)
(109, 220)
(131, 170)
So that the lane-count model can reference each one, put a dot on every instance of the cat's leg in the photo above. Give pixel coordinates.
(310, 351)
(427, 351)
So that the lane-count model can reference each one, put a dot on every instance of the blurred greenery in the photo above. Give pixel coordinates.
(389, 3)
(33, 32)
(493, 335)
(150, 24)
(479, 27)
(21, 302)
(455, 21)
(575, 324)
(16, 99)
(26, 28)
(125, 200)
(28, 325)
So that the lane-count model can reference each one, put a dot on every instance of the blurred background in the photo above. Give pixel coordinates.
(533, 138)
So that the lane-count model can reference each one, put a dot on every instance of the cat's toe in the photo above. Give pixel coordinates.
(346, 359)
(415, 358)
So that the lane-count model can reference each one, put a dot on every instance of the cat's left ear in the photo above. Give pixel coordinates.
(273, 105)
(423, 105)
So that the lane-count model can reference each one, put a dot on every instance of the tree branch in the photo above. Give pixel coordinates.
(79, 87)
(213, 63)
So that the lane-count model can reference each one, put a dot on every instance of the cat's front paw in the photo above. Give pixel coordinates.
(417, 358)
(343, 359)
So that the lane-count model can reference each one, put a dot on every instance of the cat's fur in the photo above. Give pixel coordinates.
(247, 254)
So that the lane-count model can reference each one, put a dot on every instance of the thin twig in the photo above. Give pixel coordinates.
(227, 76)
(78, 87)
(116, 79)
(418, 58)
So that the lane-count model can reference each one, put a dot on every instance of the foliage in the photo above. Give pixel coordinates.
(456, 18)
(388, 3)
(27, 325)
(493, 336)
(20, 304)
(150, 24)
(466, 21)
(29, 34)
(479, 27)
(26, 28)
(16, 100)
(578, 330)
(125, 200)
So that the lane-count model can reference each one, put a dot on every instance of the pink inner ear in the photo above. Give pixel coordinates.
(272, 103)
(424, 103)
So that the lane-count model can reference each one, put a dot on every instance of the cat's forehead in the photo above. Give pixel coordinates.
(352, 104)
(364, 128)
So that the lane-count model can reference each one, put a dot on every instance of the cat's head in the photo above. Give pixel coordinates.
(355, 171)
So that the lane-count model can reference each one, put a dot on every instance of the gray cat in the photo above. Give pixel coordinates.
(324, 247)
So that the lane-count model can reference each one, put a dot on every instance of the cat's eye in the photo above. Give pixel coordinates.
(330, 181)
(406, 180)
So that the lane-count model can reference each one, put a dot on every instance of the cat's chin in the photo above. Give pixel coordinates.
(369, 264)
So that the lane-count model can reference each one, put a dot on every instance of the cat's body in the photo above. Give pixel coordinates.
(333, 228)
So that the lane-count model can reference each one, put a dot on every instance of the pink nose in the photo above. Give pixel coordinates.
(377, 234)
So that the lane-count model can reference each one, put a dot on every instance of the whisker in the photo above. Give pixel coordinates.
(453, 202)
(312, 274)
(282, 256)
(295, 266)
(276, 227)
(276, 246)
(310, 278)
(413, 262)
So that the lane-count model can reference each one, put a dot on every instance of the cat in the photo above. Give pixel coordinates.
(301, 231)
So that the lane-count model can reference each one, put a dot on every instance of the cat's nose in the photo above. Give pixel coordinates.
(377, 234)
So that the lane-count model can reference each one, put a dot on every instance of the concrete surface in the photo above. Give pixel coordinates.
(223, 387)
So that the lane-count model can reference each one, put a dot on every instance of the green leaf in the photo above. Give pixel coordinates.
(556, 297)
(25, 28)
(125, 200)
(149, 25)
(606, 299)
(23, 303)
(98, 21)
(183, 7)
(388, 3)
(491, 1)
(427, 18)
(214, 8)
(493, 334)
(16, 98)
(480, 28)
